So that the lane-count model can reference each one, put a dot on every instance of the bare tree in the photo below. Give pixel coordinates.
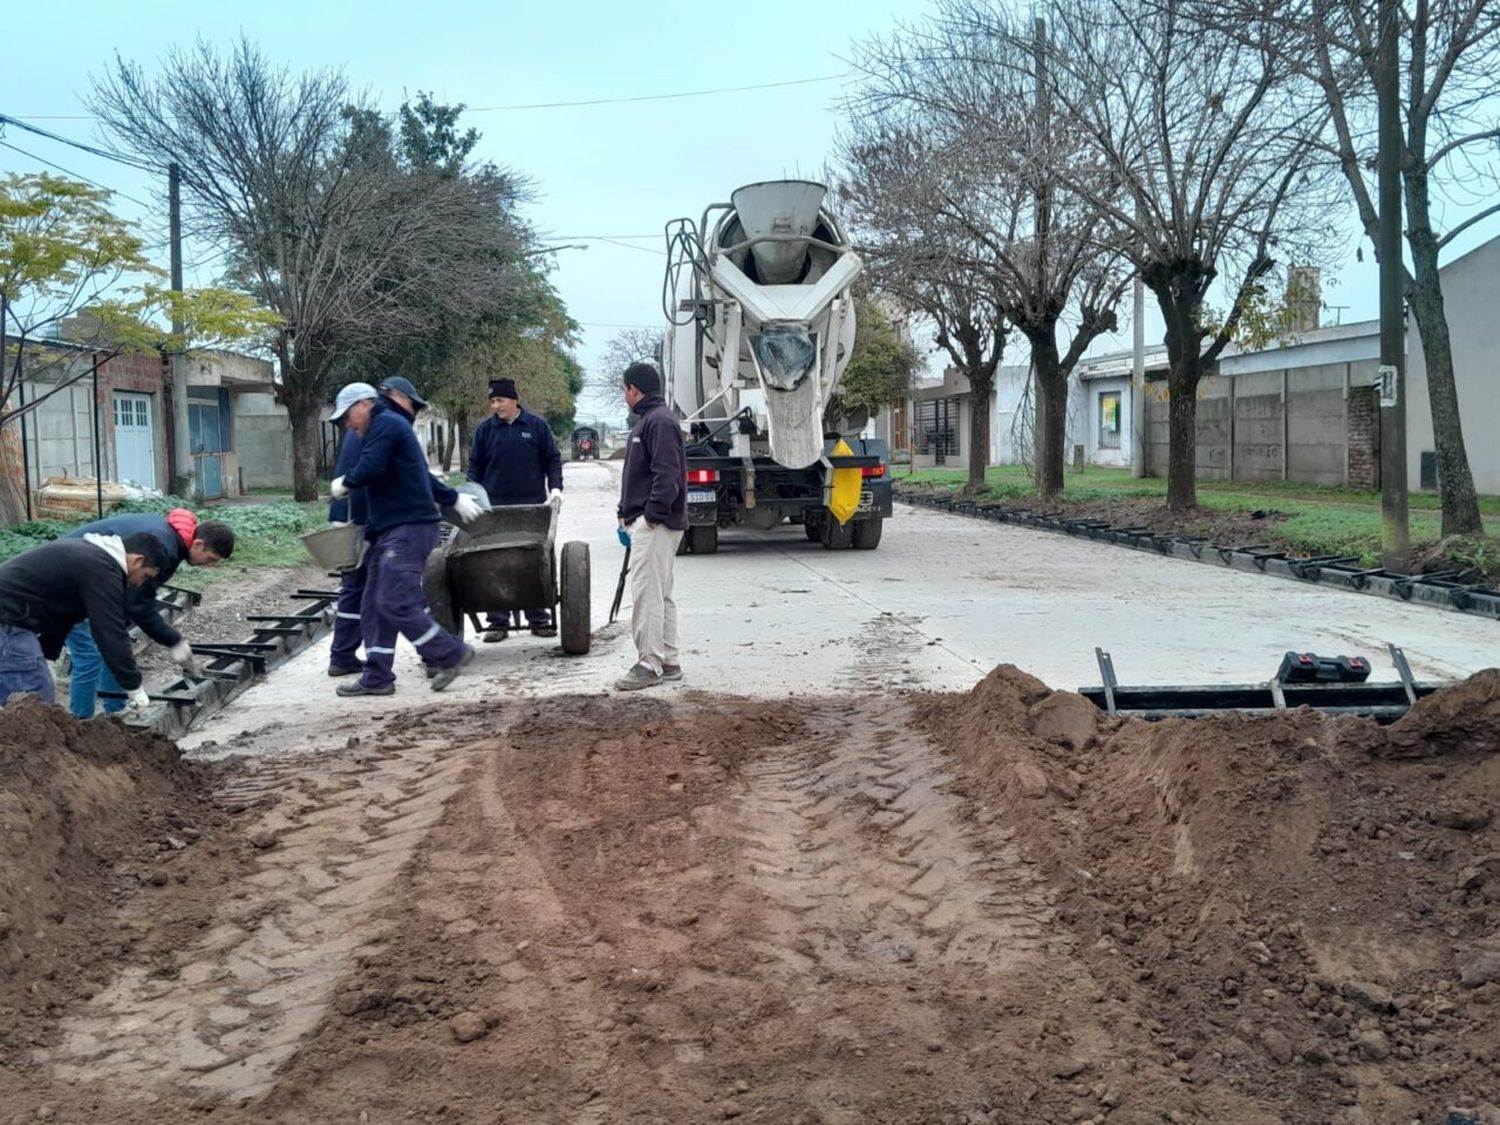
(987, 159)
(344, 246)
(1201, 155)
(626, 346)
(1448, 158)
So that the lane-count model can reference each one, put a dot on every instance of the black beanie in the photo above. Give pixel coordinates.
(504, 388)
(644, 378)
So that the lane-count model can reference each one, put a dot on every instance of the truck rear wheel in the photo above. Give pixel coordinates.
(867, 533)
(576, 628)
(835, 536)
(702, 540)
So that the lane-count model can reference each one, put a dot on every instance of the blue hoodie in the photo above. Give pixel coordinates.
(392, 470)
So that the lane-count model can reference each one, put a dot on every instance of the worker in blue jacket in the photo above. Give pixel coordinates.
(401, 498)
(516, 459)
(343, 654)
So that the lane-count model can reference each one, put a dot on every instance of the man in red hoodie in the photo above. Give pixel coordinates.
(183, 540)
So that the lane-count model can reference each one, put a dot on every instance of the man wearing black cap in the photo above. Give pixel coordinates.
(653, 511)
(516, 459)
(401, 507)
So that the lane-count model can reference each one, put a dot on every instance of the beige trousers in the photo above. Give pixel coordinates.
(653, 612)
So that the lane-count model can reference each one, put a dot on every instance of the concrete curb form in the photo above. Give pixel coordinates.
(1339, 571)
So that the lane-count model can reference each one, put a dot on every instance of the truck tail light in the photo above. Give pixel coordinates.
(872, 471)
(703, 476)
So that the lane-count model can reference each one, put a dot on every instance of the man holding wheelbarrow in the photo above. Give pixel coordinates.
(402, 501)
(516, 459)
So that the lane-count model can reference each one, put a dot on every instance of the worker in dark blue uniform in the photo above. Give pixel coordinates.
(402, 500)
(343, 654)
(516, 459)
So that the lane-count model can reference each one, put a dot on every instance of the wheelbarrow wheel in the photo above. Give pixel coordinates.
(575, 629)
(441, 598)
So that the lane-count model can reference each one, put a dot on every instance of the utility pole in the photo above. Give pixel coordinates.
(181, 469)
(1138, 382)
(1395, 534)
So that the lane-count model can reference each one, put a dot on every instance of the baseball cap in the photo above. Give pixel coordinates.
(403, 384)
(349, 394)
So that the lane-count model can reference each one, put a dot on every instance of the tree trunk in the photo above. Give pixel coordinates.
(463, 442)
(1051, 413)
(302, 392)
(1455, 480)
(12, 474)
(1182, 451)
(1184, 338)
(981, 388)
(307, 442)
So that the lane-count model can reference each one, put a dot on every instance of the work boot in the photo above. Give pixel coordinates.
(495, 636)
(641, 676)
(337, 670)
(445, 676)
(359, 687)
(671, 671)
(547, 630)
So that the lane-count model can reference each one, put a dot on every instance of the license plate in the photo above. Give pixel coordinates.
(866, 500)
(702, 496)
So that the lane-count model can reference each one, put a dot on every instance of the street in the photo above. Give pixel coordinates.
(941, 602)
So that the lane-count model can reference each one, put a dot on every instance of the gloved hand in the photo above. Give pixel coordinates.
(136, 701)
(467, 508)
(338, 488)
(624, 537)
(183, 656)
(554, 494)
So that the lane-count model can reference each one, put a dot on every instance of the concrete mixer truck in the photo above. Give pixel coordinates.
(760, 329)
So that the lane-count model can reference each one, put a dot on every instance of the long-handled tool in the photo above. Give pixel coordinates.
(614, 608)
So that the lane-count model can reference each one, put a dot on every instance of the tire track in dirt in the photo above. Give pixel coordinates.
(856, 838)
(221, 1017)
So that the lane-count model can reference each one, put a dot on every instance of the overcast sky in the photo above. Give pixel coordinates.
(618, 170)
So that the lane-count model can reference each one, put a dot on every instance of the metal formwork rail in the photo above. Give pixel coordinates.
(1443, 590)
(230, 668)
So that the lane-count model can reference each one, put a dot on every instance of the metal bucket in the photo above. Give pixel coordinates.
(341, 547)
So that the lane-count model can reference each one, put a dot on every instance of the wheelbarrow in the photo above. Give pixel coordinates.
(506, 560)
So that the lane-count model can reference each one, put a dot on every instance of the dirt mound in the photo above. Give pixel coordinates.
(1305, 909)
(89, 812)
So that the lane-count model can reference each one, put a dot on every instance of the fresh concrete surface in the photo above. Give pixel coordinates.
(942, 601)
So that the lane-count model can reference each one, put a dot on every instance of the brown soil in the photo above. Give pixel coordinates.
(997, 907)
(91, 814)
(1230, 529)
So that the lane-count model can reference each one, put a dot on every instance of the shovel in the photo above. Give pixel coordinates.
(614, 609)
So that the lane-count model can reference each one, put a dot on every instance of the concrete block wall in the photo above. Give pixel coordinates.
(262, 441)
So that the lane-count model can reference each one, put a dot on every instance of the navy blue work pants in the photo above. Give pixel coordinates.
(394, 603)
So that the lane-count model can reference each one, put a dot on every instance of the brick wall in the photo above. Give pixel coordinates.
(1364, 438)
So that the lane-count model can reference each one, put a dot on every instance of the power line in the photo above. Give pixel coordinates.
(655, 97)
(586, 237)
(591, 324)
(75, 175)
(6, 119)
(481, 108)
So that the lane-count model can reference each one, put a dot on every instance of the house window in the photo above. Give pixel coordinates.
(1109, 420)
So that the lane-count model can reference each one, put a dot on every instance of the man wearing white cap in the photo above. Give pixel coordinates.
(401, 500)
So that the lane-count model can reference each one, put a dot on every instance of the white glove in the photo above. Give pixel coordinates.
(555, 494)
(183, 656)
(467, 508)
(136, 701)
(338, 488)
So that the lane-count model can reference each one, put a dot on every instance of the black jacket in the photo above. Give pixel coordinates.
(654, 483)
(51, 588)
(140, 601)
(517, 462)
(392, 469)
